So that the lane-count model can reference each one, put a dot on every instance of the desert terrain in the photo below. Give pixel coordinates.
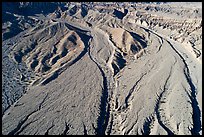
(102, 68)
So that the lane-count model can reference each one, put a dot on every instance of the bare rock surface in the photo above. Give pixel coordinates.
(91, 68)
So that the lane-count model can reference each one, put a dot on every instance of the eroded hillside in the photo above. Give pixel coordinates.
(101, 68)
